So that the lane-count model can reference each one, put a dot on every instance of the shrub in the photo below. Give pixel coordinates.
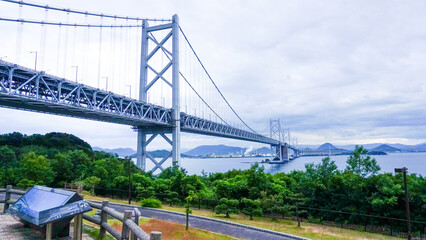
(151, 203)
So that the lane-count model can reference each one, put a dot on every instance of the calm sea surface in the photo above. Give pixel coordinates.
(415, 162)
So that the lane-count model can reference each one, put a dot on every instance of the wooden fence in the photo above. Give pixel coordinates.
(130, 220)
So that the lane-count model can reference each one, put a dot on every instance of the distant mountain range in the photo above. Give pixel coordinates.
(206, 150)
(215, 149)
(327, 147)
(385, 148)
(372, 146)
(122, 152)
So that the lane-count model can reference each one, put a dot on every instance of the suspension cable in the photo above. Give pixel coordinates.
(67, 24)
(85, 13)
(202, 99)
(205, 70)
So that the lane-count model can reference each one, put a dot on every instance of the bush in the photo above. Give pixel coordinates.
(151, 203)
(312, 219)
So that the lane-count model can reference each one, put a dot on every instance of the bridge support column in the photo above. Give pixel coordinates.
(141, 150)
(176, 93)
(284, 153)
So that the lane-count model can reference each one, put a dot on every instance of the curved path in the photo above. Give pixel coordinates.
(209, 224)
(213, 225)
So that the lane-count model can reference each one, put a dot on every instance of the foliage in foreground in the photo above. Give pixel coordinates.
(151, 203)
(56, 158)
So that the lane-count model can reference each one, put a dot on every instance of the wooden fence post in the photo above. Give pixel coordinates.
(49, 231)
(78, 227)
(125, 232)
(155, 235)
(136, 216)
(104, 219)
(7, 197)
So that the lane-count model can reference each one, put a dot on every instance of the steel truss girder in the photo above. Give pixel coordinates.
(202, 126)
(24, 88)
(20, 85)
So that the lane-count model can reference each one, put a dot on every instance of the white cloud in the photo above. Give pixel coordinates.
(335, 71)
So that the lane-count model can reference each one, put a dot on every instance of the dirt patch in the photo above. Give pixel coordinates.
(174, 231)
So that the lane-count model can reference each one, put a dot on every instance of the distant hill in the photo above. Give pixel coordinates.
(263, 150)
(122, 152)
(55, 140)
(326, 147)
(216, 149)
(385, 148)
(410, 148)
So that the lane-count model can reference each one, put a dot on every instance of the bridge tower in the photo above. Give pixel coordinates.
(276, 132)
(159, 47)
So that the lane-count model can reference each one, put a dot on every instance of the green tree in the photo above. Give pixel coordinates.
(362, 164)
(322, 171)
(7, 160)
(227, 207)
(91, 183)
(63, 168)
(25, 183)
(191, 197)
(37, 168)
(172, 197)
(251, 208)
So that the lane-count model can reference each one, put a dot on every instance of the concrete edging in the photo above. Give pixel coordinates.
(218, 220)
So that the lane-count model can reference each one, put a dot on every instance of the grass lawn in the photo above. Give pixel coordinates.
(308, 230)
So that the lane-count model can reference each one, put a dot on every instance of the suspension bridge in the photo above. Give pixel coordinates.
(119, 57)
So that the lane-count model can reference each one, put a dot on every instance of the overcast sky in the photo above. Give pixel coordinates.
(345, 72)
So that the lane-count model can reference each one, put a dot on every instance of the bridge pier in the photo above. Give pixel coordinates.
(281, 152)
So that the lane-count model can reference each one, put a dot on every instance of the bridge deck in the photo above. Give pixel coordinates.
(26, 89)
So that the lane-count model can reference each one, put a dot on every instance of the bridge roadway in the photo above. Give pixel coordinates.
(26, 89)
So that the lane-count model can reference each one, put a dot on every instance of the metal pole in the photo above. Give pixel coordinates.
(176, 93)
(407, 202)
(130, 183)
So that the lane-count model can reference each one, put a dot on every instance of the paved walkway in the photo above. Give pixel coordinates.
(11, 229)
(206, 224)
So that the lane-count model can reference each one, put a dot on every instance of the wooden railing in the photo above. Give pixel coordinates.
(8, 191)
(130, 219)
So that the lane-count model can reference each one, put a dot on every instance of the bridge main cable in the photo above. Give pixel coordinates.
(67, 24)
(47, 7)
(205, 70)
